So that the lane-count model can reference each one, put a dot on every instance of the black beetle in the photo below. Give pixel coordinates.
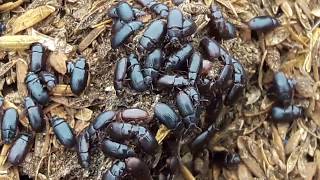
(124, 131)
(287, 114)
(201, 140)
(167, 116)
(123, 11)
(226, 159)
(211, 48)
(220, 27)
(239, 82)
(116, 150)
(152, 64)
(1, 106)
(194, 95)
(138, 81)
(282, 88)
(101, 121)
(37, 62)
(137, 168)
(2, 28)
(263, 23)
(195, 66)
(34, 114)
(63, 132)
(133, 115)
(49, 79)
(188, 27)
(79, 75)
(36, 89)
(116, 171)
(175, 25)
(158, 8)
(124, 33)
(170, 81)
(119, 74)
(20, 149)
(9, 125)
(153, 34)
(179, 58)
(83, 148)
(187, 110)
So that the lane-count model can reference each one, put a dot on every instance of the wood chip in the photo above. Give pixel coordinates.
(22, 70)
(6, 67)
(31, 17)
(17, 42)
(276, 36)
(91, 37)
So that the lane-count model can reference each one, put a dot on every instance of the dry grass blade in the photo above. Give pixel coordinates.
(22, 70)
(6, 67)
(10, 5)
(313, 46)
(31, 17)
(17, 42)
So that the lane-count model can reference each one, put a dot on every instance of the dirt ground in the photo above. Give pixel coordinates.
(69, 28)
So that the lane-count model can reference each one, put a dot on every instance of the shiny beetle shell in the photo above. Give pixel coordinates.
(9, 125)
(79, 76)
(63, 132)
(20, 149)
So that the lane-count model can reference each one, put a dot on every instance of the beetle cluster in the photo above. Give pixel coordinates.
(39, 83)
(283, 90)
(172, 62)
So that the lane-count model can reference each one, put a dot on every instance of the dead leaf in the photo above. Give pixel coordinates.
(162, 133)
(293, 159)
(316, 11)
(31, 17)
(273, 59)
(293, 141)
(59, 111)
(10, 5)
(248, 160)
(277, 143)
(208, 2)
(276, 36)
(58, 61)
(253, 95)
(286, 8)
(22, 70)
(51, 43)
(84, 114)
(303, 19)
(244, 173)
